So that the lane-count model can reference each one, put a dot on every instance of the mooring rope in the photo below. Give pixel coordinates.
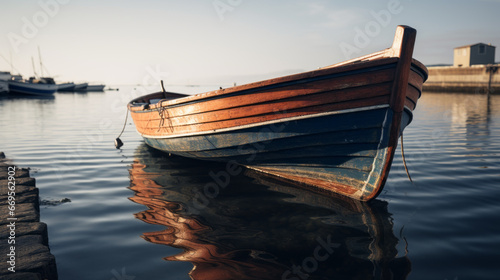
(118, 142)
(162, 110)
(404, 160)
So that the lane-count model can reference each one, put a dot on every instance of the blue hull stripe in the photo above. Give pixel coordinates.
(268, 133)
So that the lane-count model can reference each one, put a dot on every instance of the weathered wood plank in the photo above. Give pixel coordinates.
(278, 93)
(30, 256)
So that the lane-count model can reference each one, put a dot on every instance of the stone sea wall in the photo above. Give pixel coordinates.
(474, 79)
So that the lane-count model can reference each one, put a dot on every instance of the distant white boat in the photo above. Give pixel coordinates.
(31, 87)
(81, 87)
(95, 87)
(66, 87)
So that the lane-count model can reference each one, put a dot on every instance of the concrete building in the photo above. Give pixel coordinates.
(476, 54)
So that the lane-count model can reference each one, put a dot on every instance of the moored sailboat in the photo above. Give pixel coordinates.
(32, 87)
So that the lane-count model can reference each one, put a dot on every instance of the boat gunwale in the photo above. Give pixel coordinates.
(137, 105)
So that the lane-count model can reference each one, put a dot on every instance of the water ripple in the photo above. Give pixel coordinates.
(447, 219)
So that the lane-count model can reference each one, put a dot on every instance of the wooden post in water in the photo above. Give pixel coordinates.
(491, 69)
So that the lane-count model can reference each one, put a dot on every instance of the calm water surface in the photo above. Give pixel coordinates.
(139, 213)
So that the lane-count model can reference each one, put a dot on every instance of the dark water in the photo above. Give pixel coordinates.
(139, 214)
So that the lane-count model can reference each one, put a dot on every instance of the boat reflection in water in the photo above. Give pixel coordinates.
(235, 224)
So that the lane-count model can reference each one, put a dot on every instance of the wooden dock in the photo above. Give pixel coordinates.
(24, 240)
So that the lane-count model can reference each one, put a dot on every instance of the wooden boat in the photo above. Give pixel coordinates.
(335, 129)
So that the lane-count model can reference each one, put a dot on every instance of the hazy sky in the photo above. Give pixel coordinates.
(221, 41)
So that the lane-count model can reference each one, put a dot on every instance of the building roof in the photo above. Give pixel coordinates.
(475, 45)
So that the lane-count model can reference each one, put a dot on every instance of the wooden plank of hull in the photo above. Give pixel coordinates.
(412, 95)
(414, 90)
(273, 93)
